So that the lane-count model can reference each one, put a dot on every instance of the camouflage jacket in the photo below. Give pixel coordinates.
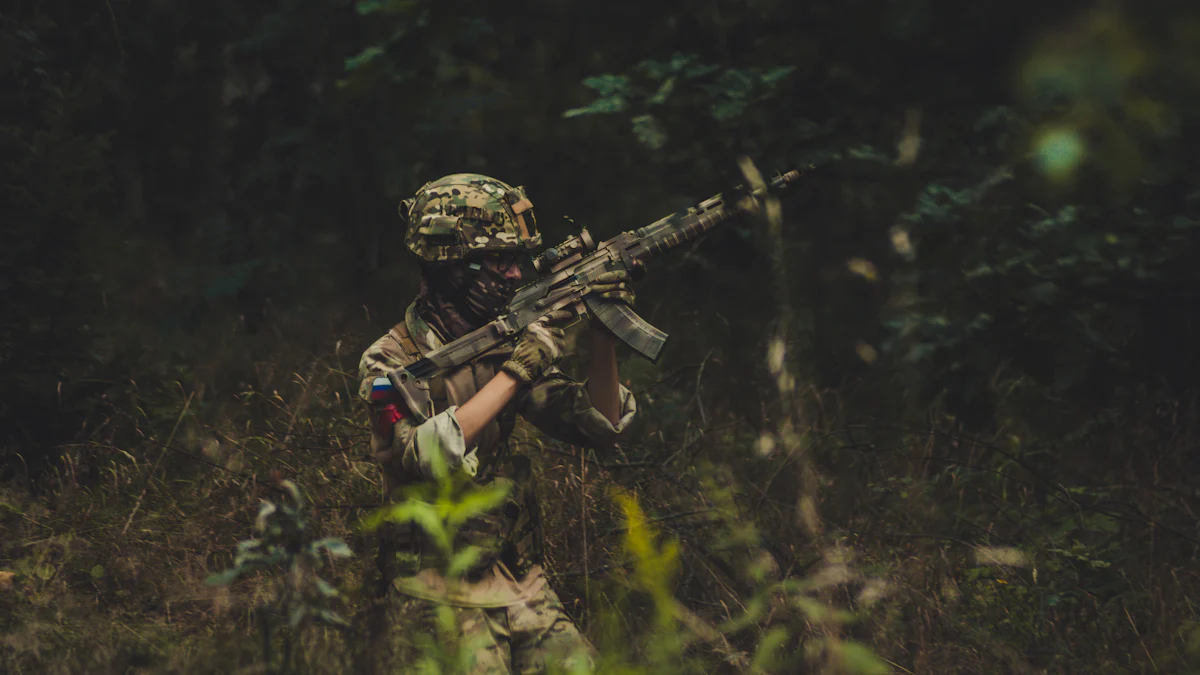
(402, 441)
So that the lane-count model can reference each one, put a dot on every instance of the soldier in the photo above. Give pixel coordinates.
(471, 234)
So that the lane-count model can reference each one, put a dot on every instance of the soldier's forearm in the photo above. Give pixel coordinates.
(483, 407)
(603, 388)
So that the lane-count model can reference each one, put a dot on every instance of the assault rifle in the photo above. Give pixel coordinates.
(569, 271)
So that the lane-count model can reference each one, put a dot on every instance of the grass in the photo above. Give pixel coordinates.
(858, 544)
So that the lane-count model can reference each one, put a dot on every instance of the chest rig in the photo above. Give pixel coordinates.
(512, 533)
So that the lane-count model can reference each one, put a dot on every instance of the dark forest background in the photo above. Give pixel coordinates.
(970, 347)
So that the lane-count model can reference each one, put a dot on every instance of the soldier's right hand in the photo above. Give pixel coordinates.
(540, 346)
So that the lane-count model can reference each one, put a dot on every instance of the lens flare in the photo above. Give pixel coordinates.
(1058, 152)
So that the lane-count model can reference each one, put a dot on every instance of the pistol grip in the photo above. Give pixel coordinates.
(629, 328)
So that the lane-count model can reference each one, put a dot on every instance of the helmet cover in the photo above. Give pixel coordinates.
(464, 215)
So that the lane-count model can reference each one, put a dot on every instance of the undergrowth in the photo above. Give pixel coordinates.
(804, 540)
(931, 551)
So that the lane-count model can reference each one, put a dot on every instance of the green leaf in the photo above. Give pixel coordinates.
(698, 70)
(258, 560)
(765, 655)
(858, 658)
(463, 561)
(264, 513)
(98, 572)
(601, 106)
(1105, 522)
(657, 70)
(726, 110)
(774, 75)
(664, 92)
(437, 462)
(336, 547)
(331, 618)
(364, 7)
(426, 517)
(815, 611)
(477, 502)
(327, 589)
(363, 58)
(248, 545)
(294, 492)
(733, 83)
(253, 556)
(648, 132)
(607, 85)
(869, 153)
(447, 619)
(411, 511)
(296, 616)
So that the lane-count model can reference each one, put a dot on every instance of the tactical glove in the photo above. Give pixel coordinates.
(616, 285)
(540, 346)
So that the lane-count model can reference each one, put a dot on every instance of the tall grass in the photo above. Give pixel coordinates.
(812, 539)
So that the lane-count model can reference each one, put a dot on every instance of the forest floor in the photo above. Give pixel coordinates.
(941, 554)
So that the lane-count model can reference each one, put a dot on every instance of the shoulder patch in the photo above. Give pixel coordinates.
(382, 357)
(382, 390)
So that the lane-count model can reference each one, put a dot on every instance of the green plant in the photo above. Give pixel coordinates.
(285, 545)
(676, 88)
(439, 508)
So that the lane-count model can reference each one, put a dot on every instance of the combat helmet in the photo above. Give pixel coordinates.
(465, 214)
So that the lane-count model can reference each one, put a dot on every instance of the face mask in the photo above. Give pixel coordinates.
(488, 292)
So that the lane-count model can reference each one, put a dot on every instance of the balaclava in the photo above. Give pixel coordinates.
(456, 299)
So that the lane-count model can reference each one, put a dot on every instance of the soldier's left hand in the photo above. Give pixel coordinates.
(616, 286)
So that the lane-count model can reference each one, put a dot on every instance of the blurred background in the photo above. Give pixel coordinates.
(984, 290)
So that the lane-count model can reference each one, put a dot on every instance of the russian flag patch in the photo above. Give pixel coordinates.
(382, 389)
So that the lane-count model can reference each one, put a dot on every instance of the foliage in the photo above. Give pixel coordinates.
(440, 508)
(286, 545)
(106, 566)
(1043, 281)
(684, 83)
(980, 299)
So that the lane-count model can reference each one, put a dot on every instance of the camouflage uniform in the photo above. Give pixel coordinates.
(504, 603)
(535, 636)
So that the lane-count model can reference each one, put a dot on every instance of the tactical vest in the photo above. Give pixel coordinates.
(511, 533)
